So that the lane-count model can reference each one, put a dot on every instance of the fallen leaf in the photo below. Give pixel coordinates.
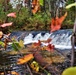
(21, 43)
(39, 58)
(35, 66)
(34, 45)
(50, 47)
(25, 59)
(14, 73)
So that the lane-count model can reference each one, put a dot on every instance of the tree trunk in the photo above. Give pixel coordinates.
(73, 41)
(75, 11)
(6, 2)
(73, 50)
(30, 6)
(49, 2)
(53, 9)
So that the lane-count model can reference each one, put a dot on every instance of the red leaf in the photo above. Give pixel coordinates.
(37, 44)
(56, 22)
(50, 47)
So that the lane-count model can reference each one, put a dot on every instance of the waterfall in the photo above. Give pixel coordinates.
(61, 39)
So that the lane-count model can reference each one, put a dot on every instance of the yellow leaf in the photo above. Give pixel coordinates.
(35, 66)
(14, 73)
(21, 43)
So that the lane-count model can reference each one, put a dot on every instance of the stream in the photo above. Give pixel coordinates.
(60, 39)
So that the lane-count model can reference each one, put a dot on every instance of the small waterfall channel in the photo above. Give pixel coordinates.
(61, 38)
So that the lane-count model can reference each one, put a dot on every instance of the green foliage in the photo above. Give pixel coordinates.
(41, 2)
(40, 21)
(70, 1)
(2, 13)
(36, 67)
(16, 46)
(22, 17)
(2, 44)
(68, 24)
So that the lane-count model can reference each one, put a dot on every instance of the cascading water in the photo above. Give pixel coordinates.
(61, 38)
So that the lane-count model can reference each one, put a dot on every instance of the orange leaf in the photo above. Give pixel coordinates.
(36, 44)
(25, 59)
(36, 6)
(50, 47)
(1, 34)
(14, 73)
(56, 22)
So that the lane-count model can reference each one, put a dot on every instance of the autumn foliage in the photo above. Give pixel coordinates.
(57, 22)
(36, 44)
(35, 6)
(50, 47)
(25, 59)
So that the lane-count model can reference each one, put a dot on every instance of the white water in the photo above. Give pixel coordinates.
(61, 40)
(29, 39)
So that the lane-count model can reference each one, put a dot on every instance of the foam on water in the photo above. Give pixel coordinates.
(61, 39)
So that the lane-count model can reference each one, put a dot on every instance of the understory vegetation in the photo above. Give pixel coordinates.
(25, 20)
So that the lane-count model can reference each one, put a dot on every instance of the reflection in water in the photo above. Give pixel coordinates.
(8, 64)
